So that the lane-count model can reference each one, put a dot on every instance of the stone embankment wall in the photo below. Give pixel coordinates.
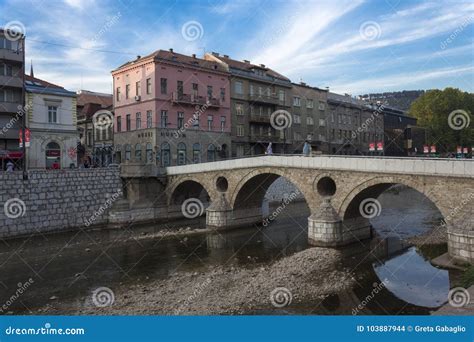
(55, 200)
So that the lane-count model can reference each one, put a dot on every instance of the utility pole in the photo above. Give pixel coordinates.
(24, 111)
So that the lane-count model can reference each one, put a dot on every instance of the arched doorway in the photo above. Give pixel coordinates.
(53, 155)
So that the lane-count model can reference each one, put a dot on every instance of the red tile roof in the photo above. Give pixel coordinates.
(41, 82)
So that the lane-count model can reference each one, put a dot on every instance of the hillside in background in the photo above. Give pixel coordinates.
(398, 99)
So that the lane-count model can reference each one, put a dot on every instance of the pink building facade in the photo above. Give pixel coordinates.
(171, 109)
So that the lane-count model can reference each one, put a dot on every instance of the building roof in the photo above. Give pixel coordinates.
(34, 84)
(247, 66)
(85, 96)
(173, 57)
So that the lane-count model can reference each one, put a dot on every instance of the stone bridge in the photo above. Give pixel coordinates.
(341, 193)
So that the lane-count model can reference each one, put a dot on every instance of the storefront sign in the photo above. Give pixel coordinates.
(433, 149)
(426, 149)
(371, 147)
(380, 146)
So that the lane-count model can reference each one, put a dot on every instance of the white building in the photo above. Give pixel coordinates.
(51, 119)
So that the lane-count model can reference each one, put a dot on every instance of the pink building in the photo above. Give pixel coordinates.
(171, 109)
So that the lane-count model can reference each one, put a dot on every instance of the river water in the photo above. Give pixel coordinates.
(68, 266)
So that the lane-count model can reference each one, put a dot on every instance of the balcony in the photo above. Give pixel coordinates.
(267, 99)
(192, 100)
(259, 118)
(10, 107)
(11, 81)
(11, 55)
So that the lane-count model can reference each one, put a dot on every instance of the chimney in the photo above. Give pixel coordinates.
(215, 54)
(303, 84)
(171, 50)
(194, 55)
(226, 56)
(138, 56)
(246, 61)
(262, 65)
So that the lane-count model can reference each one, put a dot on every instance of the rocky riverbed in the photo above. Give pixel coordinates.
(311, 274)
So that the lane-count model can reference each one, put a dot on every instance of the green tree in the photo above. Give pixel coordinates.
(433, 109)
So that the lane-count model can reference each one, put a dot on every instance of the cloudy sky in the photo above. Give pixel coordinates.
(352, 46)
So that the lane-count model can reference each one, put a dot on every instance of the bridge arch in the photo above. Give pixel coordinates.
(188, 187)
(350, 204)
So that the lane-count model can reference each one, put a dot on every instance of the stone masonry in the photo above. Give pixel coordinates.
(56, 200)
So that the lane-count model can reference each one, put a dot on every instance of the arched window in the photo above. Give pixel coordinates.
(53, 155)
(196, 153)
(181, 153)
(211, 153)
(149, 153)
(138, 152)
(118, 153)
(165, 155)
(128, 152)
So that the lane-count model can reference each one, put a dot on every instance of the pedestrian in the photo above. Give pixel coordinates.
(306, 149)
(269, 150)
(10, 166)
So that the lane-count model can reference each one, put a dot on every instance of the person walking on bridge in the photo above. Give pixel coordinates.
(306, 149)
(269, 150)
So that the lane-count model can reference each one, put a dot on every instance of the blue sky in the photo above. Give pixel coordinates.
(352, 46)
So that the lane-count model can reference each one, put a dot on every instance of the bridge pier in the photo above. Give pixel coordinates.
(327, 229)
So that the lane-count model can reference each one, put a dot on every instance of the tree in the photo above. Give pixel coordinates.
(448, 117)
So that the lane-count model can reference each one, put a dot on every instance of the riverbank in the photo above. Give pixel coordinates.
(225, 289)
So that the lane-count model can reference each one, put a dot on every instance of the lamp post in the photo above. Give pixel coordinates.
(23, 95)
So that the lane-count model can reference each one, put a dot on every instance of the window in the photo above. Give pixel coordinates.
(297, 119)
(181, 154)
(195, 89)
(138, 152)
(297, 136)
(137, 88)
(252, 90)
(322, 122)
(296, 101)
(209, 122)
(260, 91)
(180, 89)
(165, 154)
(211, 153)
(128, 152)
(164, 119)
(209, 92)
(268, 92)
(239, 109)
(119, 123)
(180, 120)
(127, 122)
(222, 94)
(52, 114)
(127, 91)
(118, 94)
(238, 88)
(240, 130)
(321, 105)
(148, 85)
(309, 120)
(281, 95)
(240, 150)
(309, 103)
(149, 119)
(149, 153)
(164, 86)
(196, 120)
(138, 120)
(196, 153)
(222, 123)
